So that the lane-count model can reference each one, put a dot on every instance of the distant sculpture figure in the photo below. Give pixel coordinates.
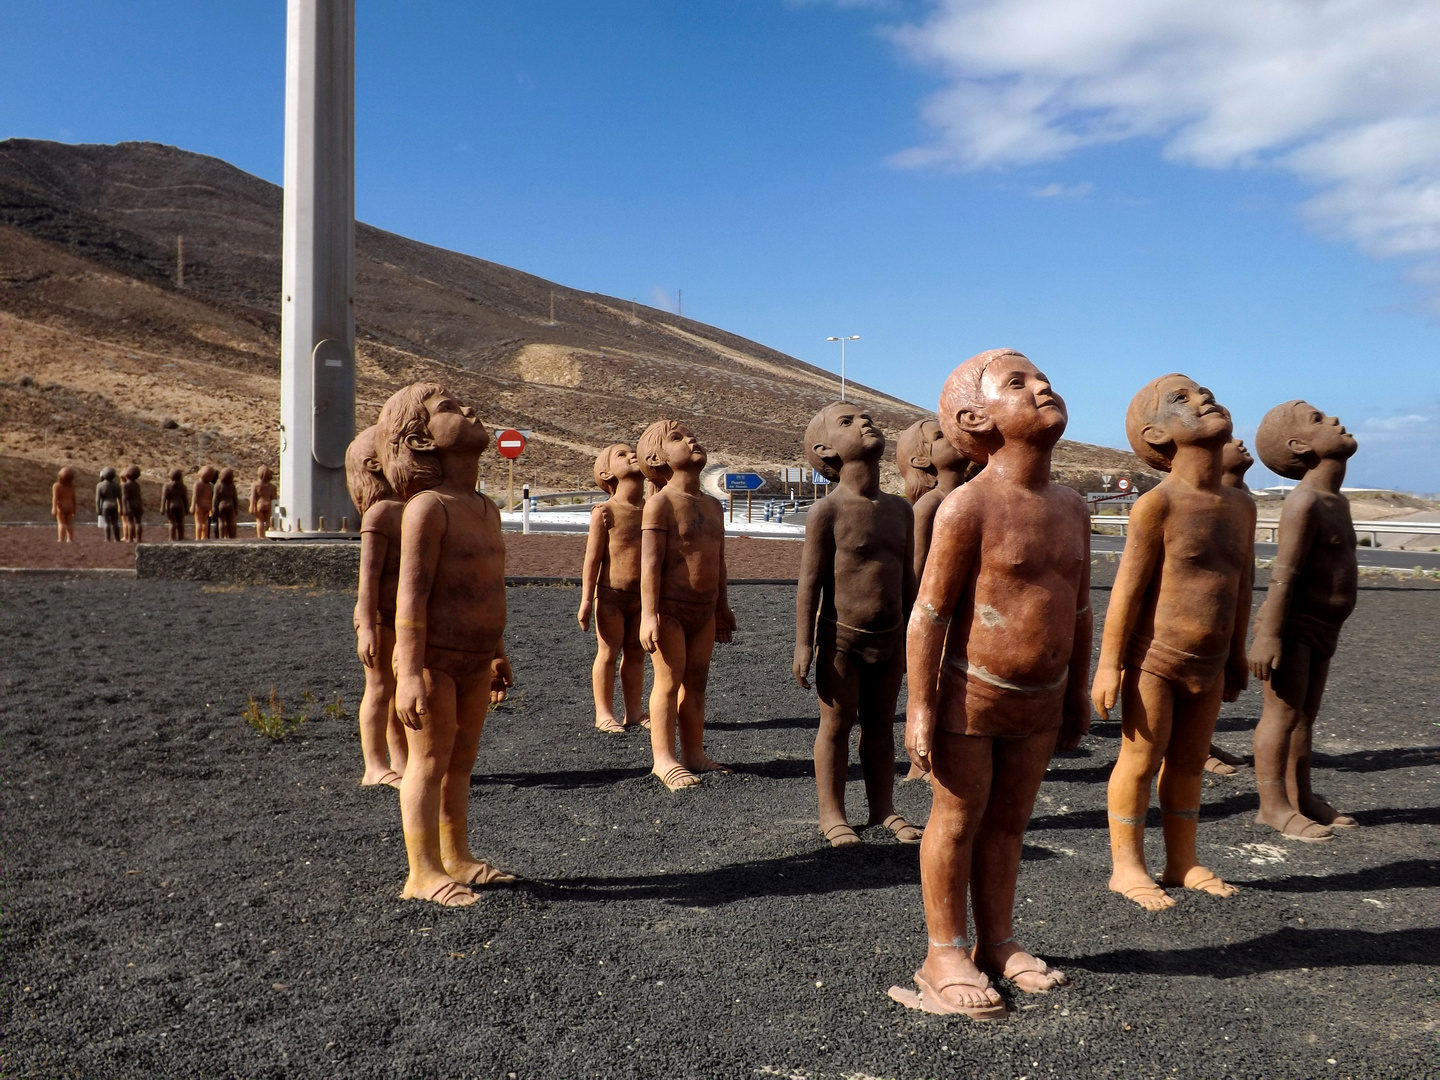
(132, 505)
(226, 507)
(1312, 592)
(912, 455)
(202, 501)
(610, 587)
(382, 736)
(998, 652)
(107, 503)
(857, 585)
(62, 504)
(450, 661)
(1236, 461)
(262, 500)
(174, 501)
(683, 598)
(1176, 626)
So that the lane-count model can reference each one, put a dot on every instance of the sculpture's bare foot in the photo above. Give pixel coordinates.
(1201, 880)
(903, 830)
(1296, 826)
(388, 777)
(963, 989)
(842, 835)
(609, 725)
(704, 764)
(479, 872)
(1029, 973)
(643, 722)
(1213, 764)
(1142, 889)
(1321, 811)
(676, 777)
(447, 892)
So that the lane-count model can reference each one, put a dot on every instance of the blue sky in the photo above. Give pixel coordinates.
(1119, 188)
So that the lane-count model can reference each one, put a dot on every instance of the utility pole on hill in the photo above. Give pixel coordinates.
(317, 335)
(179, 262)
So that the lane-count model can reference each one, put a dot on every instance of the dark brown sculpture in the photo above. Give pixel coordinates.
(174, 501)
(449, 617)
(684, 609)
(62, 504)
(262, 500)
(998, 652)
(857, 586)
(1236, 461)
(1312, 592)
(227, 505)
(382, 737)
(1176, 625)
(202, 501)
(610, 588)
(132, 505)
(107, 503)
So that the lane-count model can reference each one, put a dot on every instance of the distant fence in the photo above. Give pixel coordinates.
(1362, 528)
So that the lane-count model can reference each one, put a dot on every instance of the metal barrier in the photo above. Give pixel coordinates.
(1362, 528)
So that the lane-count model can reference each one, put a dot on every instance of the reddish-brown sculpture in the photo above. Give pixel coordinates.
(1176, 628)
(62, 504)
(227, 505)
(998, 652)
(382, 737)
(1235, 460)
(262, 500)
(912, 455)
(1312, 592)
(857, 585)
(202, 501)
(449, 617)
(610, 587)
(174, 501)
(684, 609)
(107, 503)
(132, 505)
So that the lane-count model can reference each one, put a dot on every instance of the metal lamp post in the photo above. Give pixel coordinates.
(842, 340)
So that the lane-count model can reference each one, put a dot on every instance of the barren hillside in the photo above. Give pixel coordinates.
(105, 358)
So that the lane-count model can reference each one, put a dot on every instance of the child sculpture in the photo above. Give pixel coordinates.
(912, 455)
(262, 500)
(227, 505)
(132, 505)
(683, 598)
(998, 652)
(857, 574)
(107, 503)
(202, 501)
(62, 504)
(610, 587)
(380, 514)
(174, 500)
(449, 617)
(1236, 461)
(1312, 592)
(1176, 626)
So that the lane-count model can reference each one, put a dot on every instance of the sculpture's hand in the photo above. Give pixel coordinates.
(1075, 721)
(724, 624)
(920, 737)
(1264, 656)
(800, 667)
(587, 605)
(650, 633)
(1237, 677)
(1105, 690)
(410, 701)
(501, 679)
(367, 644)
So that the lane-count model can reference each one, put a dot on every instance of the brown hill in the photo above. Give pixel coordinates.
(105, 358)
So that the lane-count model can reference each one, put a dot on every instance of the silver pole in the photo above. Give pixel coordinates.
(317, 335)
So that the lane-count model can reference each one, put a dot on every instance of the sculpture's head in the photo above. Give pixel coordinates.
(912, 455)
(613, 464)
(363, 475)
(175, 475)
(132, 472)
(227, 476)
(209, 474)
(418, 424)
(1235, 460)
(107, 473)
(842, 431)
(1295, 437)
(263, 474)
(1172, 411)
(997, 397)
(668, 446)
(66, 475)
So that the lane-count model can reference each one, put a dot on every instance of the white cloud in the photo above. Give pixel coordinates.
(1343, 94)
(1057, 190)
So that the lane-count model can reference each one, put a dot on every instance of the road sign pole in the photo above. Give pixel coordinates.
(732, 506)
(510, 501)
(749, 506)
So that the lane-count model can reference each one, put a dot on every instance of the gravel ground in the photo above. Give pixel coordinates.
(185, 898)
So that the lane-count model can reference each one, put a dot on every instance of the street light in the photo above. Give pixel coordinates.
(842, 340)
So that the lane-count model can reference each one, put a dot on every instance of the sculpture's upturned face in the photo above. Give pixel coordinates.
(1020, 402)
(1188, 412)
(454, 426)
(624, 462)
(682, 450)
(852, 434)
(1322, 435)
(943, 454)
(1235, 459)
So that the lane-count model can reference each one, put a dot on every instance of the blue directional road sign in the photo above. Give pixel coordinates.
(743, 481)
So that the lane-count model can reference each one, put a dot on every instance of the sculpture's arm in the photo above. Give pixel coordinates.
(817, 556)
(595, 545)
(422, 528)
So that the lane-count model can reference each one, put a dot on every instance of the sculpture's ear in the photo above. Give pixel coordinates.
(1301, 449)
(1156, 436)
(372, 464)
(418, 443)
(974, 421)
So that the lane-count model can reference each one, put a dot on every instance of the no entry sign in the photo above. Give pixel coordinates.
(510, 443)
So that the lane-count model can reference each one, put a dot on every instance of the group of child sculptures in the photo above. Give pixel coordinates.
(980, 591)
(120, 504)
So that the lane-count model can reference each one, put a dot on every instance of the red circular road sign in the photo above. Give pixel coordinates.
(1123, 485)
(510, 443)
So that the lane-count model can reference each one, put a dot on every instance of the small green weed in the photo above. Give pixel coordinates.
(269, 718)
(336, 709)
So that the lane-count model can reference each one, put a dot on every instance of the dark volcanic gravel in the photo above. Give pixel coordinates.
(184, 898)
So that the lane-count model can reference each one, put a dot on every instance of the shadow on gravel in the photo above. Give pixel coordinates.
(1284, 950)
(810, 722)
(1242, 802)
(1417, 815)
(1410, 874)
(1401, 757)
(564, 778)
